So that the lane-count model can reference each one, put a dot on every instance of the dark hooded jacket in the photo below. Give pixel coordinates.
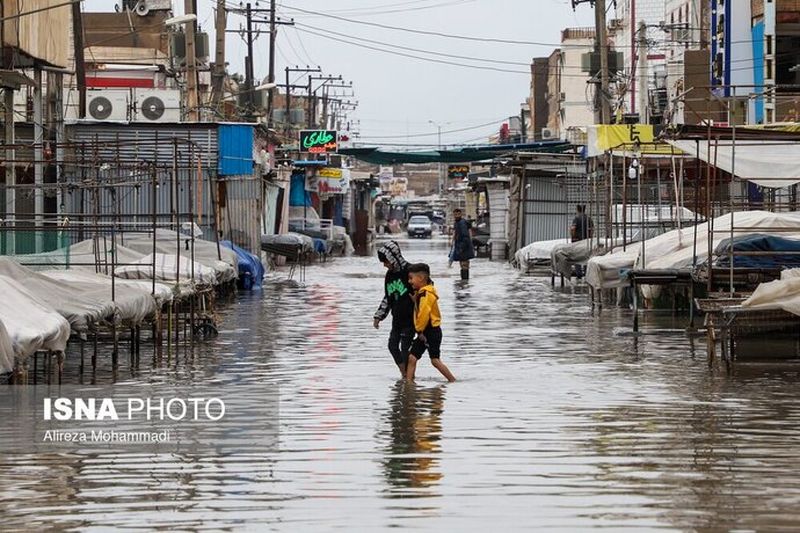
(396, 289)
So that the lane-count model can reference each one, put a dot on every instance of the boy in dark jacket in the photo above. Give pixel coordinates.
(397, 302)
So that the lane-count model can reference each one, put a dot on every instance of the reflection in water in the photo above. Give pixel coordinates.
(411, 464)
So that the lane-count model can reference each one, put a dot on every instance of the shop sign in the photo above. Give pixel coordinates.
(457, 172)
(333, 180)
(318, 141)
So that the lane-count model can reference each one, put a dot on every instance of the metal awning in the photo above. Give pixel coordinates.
(469, 154)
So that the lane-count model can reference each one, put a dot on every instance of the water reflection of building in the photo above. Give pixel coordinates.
(411, 464)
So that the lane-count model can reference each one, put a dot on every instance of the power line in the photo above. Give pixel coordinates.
(442, 54)
(459, 130)
(378, 11)
(432, 60)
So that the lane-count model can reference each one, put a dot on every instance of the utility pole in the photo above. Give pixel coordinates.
(271, 75)
(602, 47)
(641, 49)
(288, 122)
(249, 85)
(191, 64)
(80, 64)
(218, 75)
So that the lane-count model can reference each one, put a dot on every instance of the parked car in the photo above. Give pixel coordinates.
(420, 226)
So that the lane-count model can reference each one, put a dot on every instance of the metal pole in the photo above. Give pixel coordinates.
(602, 48)
(441, 177)
(11, 173)
(248, 65)
(38, 169)
(286, 120)
(271, 75)
(642, 73)
(80, 64)
(220, 25)
(191, 64)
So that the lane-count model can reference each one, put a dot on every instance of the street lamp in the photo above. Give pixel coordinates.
(441, 177)
(180, 19)
(266, 86)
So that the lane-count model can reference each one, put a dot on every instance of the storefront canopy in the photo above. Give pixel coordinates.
(377, 156)
(767, 163)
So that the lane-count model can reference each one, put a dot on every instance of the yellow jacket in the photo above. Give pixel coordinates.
(426, 309)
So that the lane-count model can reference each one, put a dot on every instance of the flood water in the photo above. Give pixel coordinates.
(557, 421)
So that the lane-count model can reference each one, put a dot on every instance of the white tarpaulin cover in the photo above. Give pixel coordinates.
(132, 303)
(608, 271)
(6, 350)
(675, 249)
(537, 252)
(89, 255)
(564, 256)
(168, 269)
(766, 163)
(79, 307)
(781, 294)
(205, 252)
(32, 325)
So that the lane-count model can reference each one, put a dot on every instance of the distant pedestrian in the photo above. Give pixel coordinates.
(582, 228)
(396, 301)
(582, 225)
(462, 250)
(427, 322)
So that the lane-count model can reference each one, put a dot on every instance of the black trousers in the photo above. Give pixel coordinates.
(400, 340)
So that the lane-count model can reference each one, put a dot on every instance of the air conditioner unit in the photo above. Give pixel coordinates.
(548, 134)
(158, 105)
(107, 104)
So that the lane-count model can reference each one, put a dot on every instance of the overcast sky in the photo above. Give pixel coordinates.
(398, 95)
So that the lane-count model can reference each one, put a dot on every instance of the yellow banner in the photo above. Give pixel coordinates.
(628, 138)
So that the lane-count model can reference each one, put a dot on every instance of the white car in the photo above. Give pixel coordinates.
(420, 226)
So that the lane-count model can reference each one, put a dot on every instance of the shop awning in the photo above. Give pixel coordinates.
(772, 164)
(377, 156)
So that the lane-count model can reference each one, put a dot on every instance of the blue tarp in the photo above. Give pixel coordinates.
(251, 271)
(759, 242)
(298, 196)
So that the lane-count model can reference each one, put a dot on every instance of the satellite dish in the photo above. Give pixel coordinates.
(153, 108)
(100, 108)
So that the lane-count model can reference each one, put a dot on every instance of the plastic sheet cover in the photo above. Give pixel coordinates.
(79, 307)
(31, 324)
(168, 269)
(131, 303)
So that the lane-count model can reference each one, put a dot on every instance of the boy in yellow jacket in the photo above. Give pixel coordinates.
(427, 322)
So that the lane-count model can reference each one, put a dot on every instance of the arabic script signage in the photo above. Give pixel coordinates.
(318, 141)
(457, 172)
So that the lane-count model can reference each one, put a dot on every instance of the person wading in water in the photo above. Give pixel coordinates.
(398, 302)
(462, 250)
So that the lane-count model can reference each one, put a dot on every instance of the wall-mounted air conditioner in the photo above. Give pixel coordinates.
(107, 104)
(548, 134)
(158, 105)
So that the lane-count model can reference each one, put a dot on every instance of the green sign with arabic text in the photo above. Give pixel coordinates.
(319, 141)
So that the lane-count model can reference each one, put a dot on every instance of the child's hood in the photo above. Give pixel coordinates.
(429, 289)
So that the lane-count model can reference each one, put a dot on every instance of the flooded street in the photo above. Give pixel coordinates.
(557, 421)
